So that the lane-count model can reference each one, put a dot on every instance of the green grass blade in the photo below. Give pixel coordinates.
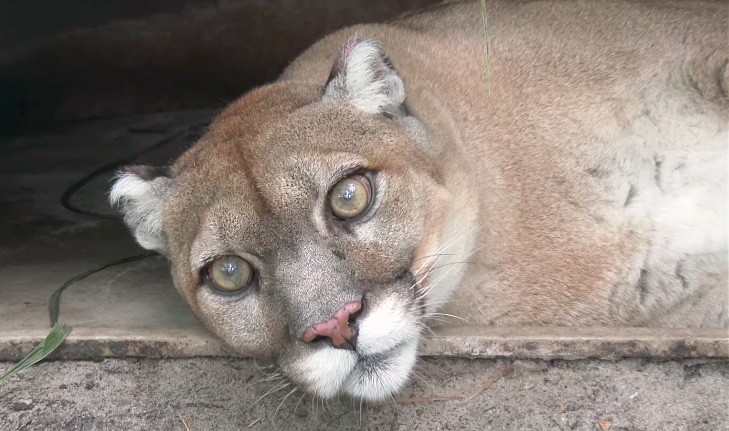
(45, 348)
(59, 332)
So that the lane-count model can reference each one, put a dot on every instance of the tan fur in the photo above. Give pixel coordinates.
(557, 82)
(587, 186)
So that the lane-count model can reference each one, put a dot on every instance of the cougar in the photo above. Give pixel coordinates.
(562, 163)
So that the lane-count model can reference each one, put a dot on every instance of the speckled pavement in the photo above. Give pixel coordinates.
(224, 394)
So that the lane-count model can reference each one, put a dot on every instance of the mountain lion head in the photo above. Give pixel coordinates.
(305, 226)
(320, 222)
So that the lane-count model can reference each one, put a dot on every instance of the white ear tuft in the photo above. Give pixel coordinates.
(364, 77)
(140, 197)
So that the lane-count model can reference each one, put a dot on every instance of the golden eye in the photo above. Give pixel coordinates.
(350, 197)
(230, 273)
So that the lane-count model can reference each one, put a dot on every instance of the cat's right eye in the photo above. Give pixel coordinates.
(351, 197)
(230, 274)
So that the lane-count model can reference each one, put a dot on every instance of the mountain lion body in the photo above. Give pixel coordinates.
(324, 218)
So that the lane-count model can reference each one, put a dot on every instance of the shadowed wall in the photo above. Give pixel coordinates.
(184, 55)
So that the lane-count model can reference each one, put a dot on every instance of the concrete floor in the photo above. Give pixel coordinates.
(134, 311)
(223, 394)
(44, 244)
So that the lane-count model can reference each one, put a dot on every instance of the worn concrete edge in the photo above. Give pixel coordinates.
(573, 343)
(546, 343)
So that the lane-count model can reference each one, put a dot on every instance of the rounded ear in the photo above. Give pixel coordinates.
(139, 193)
(363, 76)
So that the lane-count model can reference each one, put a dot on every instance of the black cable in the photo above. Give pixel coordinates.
(75, 187)
(54, 303)
(59, 332)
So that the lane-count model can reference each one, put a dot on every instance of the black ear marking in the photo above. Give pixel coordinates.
(341, 61)
(145, 172)
(363, 75)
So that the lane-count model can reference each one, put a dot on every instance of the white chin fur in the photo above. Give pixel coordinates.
(384, 329)
(330, 371)
(327, 369)
(379, 378)
(386, 352)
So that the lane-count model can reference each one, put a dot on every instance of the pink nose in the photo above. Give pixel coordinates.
(337, 328)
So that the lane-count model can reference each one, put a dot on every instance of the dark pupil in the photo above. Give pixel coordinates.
(228, 268)
(348, 192)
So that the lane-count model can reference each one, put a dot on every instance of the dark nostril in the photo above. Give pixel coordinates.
(403, 275)
(353, 317)
(362, 305)
(318, 338)
(337, 329)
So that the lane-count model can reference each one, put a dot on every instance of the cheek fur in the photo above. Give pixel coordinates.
(250, 325)
(387, 326)
(431, 230)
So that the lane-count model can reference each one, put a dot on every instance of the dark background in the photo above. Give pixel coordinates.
(74, 60)
(28, 20)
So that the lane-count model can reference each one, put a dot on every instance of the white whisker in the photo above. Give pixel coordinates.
(275, 389)
(299, 402)
(283, 400)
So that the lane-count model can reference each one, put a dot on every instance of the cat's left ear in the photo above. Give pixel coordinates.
(363, 76)
(140, 193)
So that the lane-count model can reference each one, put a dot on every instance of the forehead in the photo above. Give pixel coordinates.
(260, 163)
(318, 129)
(304, 147)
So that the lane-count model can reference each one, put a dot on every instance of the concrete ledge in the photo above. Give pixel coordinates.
(544, 343)
(577, 343)
(133, 310)
(93, 344)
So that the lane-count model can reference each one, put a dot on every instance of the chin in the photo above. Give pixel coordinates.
(377, 377)
(380, 366)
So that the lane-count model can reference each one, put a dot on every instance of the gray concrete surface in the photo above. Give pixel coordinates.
(223, 394)
(43, 244)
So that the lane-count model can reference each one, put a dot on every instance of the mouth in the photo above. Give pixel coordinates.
(381, 361)
(372, 376)
(378, 376)
(386, 348)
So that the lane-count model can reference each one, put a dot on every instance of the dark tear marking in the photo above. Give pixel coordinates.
(643, 286)
(631, 194)
(658, 161)
(722, 73)
(679, 274)
(598, 219)
(693, 82)
(597, 172)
